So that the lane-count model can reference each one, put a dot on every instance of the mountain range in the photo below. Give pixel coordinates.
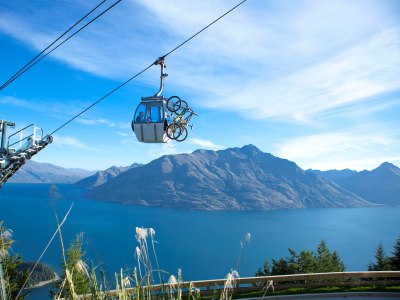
(334, 175)
(102, 177)
(35, 172)
(381, 185)
(232, 179)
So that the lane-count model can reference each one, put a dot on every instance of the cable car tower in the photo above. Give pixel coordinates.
(19, 147)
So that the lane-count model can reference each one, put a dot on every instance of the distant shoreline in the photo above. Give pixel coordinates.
(44, 283)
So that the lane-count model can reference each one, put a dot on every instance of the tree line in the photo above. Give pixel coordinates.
(324, 260)
(384, 262)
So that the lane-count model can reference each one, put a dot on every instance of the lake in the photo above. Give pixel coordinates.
(204, 245)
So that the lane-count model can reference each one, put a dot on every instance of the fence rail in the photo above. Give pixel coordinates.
(248, 284)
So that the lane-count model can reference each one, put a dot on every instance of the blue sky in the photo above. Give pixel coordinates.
(316, 82)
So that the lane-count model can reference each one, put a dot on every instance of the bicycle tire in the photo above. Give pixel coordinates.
(173, 131)
(174, 103)
(183, 135)
(184, 106)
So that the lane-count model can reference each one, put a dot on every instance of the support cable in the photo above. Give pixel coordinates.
(148, 67)
(44, 251)
(42, 54)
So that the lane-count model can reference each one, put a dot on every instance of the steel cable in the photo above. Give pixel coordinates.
(41, 55)
(145, 69)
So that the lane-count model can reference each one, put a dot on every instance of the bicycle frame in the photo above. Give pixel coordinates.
(180, 118)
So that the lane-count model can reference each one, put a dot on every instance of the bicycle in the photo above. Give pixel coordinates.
(177, 130)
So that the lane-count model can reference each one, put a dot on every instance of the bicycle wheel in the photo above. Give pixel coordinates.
(174, 103)
(184, 106)
(173, 131)
(183, 135)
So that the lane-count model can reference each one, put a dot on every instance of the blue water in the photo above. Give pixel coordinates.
(204, 245)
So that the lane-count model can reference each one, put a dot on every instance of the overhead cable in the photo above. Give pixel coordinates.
(42, 54)
(148, 67)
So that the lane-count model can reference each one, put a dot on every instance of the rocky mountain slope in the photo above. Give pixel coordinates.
(102, 177)
(35, 172)
(381, 185)
(334, 175)
(232, 179)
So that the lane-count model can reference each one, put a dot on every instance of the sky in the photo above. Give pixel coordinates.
(315, 82)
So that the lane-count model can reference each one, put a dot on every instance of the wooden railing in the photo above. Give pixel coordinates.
(281, 282)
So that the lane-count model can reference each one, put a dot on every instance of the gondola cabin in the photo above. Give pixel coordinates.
(150, 120)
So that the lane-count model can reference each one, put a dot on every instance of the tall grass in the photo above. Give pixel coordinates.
(244, 242)
(231, 279)
(141, 284)
(5, 244)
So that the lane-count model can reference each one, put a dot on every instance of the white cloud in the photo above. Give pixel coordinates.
(357, 149)
(7, 100)
(106, 48)
(283, 39)
(270, 60)
(51, 107)
(121, 133)
(157, 150)
(22, 103)
(122, 125)
(339, 163)
(66, 141)
(366, 70)
(100, 121)
(204, 144)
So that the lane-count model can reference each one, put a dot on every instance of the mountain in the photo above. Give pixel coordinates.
(35, 172)
(381, 185)
(232, 179)
(334, 175)
(102, 177)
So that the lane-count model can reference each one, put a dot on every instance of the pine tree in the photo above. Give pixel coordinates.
(265, 271)
(327, 261)
(337, 263)
(395, 259)
(280, 267)
(382, 261)
(75, 265)
(306, 262)
(293, 262)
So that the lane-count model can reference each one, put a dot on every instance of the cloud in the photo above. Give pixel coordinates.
(355, 164)
(368, 69)
(157, 150)
(267, 60)
(66, 141)
(287, 68)
(357, 148)
(106, 48)
(205, 144)
(16, 102)
(122, 125)
(100, 121)
(51, 107)
(283, 40)
(121, 133)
